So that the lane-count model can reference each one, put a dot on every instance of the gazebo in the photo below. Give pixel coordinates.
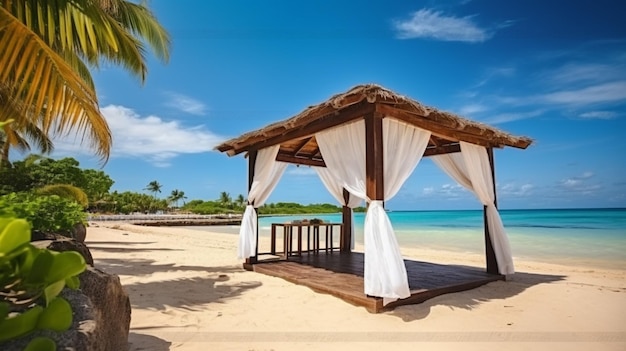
(364, 144)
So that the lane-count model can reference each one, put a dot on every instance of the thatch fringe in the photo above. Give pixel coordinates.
(375, 94)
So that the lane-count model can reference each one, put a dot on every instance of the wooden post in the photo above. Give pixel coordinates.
(251, 164)
(490, 254)
(374, 156)
(346, 230)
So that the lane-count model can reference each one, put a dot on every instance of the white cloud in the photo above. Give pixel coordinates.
(186, 104)
(449, 191)
(569, 83)
(514, 116)
(580, 184)
(571, 182)
(598, 115)
(588, 72)
(472, 109)
(427, 23)
(593, 95)
(600, 93)
(496, 72)
(512, 189)
(149, 138)
(586, 175)
(301, 171)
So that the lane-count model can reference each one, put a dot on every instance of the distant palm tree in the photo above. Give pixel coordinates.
(241, 201)
(154, 187)
(176, 196)
(225, 199)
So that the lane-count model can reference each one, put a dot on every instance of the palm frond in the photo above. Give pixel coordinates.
(54, 92)
(142, 23)
(65, 191)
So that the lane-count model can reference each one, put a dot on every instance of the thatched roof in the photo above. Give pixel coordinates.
(298, 144)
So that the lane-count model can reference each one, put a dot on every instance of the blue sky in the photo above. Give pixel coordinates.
(551, 70)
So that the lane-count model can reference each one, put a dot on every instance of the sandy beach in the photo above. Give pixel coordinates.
(189, 292)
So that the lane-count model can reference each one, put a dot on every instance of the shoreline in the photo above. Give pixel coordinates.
(406, 247)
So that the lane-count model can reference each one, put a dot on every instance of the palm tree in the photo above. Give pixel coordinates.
(10, 137)
(154, 187)
(225, 199)
(241, 201)
(46, 50)
(176, 196)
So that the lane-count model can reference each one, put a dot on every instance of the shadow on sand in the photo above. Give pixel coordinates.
(186, 293)
(141, 342)
(210, 284)
(125, 246)
(471, 299)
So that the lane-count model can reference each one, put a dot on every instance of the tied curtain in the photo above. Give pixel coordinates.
(267, 173)
(471, 169)
(343, 149)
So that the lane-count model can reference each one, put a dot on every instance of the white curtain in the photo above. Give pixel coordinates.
(267, 173)
(343, 149)
(403, 148)
(471, 168)
(334, 186)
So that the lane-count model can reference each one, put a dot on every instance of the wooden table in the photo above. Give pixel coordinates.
(312, 237)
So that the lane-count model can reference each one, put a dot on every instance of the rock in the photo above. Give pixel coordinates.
(113, 309)
(79, 232)
(37, 235)
(101, 310)
(72, 245)
(80, 335)
(65, 244)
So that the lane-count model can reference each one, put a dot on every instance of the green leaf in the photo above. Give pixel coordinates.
(57, 316)
(65, 264)
(28, 259)
(72, 282)
(51, 291)
(21, 324)
(40, 267)
(4, 311)
(41, 343)
(13, 235)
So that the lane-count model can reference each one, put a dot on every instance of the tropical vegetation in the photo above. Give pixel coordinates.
(28, 180)
(31, 280)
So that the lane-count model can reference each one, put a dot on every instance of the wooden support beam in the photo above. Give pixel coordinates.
(374, 156)
(444, 129)
(346, 243)
(251, 165)
(301, 145)
(490, 254)
(444, 149)
(300, 160)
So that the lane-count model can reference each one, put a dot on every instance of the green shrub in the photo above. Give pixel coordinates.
(50, 213)
(30, 282)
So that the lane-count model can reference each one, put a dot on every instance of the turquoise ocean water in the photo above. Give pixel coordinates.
(590, 237)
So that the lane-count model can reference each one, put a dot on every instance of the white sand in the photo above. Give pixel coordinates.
(189, 292)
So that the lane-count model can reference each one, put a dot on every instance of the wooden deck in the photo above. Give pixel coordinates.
(341, 274)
